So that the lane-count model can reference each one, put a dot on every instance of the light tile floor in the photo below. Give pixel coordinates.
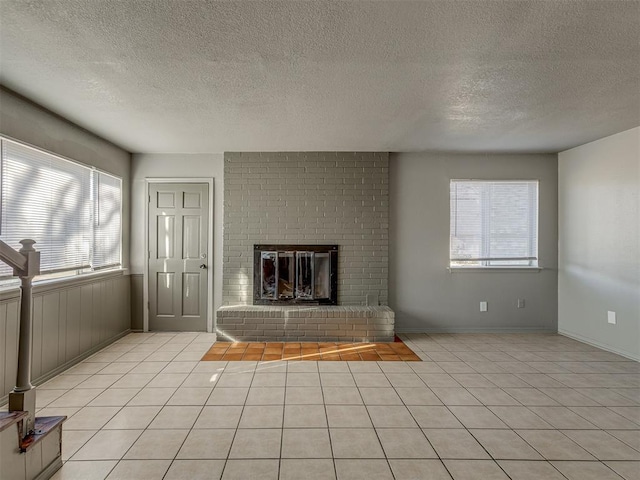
(481, 406)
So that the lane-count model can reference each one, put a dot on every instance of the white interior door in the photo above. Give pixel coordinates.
(178, 256)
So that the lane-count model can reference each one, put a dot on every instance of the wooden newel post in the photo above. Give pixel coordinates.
(26, 265)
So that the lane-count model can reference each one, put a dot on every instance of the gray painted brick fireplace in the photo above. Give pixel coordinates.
(313, 198)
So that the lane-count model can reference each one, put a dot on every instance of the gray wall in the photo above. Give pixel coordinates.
(71, 320)
(137, 301)
(73, 317)
(25, 121)
(308, 198)
(423, 294)
(145, 165)
(599, 247)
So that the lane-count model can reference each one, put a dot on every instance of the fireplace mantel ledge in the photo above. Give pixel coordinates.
(341, 310)
(305, 323)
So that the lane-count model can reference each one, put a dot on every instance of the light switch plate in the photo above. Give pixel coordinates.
(483, 306)
(611, 317)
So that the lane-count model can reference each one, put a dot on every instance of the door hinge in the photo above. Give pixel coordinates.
(149, 198)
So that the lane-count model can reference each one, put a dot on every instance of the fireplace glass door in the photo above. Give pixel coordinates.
(304, 275)
(295, 276)
(321, 275)
(269, 275)
(286, 275)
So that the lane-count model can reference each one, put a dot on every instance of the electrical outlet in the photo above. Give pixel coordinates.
(611, 317)
(483, 306)
(521, 303)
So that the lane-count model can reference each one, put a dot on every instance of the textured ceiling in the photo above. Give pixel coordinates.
(204, 76)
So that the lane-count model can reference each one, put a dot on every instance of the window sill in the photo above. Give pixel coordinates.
(518, 268)
(12, 290)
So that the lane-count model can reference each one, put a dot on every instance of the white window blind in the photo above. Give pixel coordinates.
(494, 223)
(107, 221)
(44, 198)
(70, 210)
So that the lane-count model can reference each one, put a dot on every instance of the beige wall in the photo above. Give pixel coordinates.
(147, 165)
(599, 242)
(423, 293)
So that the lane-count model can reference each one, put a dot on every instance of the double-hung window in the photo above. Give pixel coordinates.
(72, 211)
(494, 223)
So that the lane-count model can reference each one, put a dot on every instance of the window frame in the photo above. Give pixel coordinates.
(484, 265)
(8, 282)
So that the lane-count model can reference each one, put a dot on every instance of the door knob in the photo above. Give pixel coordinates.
(203, 266)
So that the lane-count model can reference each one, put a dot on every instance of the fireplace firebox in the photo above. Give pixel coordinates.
(295, 274)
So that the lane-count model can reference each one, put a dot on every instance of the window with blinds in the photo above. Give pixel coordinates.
(107, 221)
(73, 212)
(494, 223)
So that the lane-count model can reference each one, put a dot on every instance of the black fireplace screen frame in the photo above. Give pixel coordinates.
(293, 253)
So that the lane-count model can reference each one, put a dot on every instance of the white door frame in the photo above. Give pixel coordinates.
(145, 286)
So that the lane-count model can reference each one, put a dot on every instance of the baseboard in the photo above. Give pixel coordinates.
(602, 346)
(65, 366)
(476, 330)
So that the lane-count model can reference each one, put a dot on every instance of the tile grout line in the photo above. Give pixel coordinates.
(226, 463)
(284, 400)
(616, 382)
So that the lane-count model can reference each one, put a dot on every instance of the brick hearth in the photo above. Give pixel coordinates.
(256, 323)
